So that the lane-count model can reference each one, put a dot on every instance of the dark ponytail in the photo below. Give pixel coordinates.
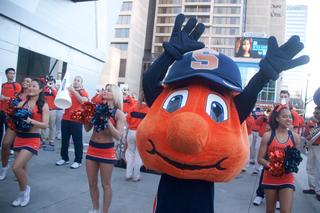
(273, 121)
(41, 100)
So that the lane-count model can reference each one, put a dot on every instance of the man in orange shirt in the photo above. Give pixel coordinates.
(50, 94)
(313, 162)
(73, 128)
(8, 90)
(127, 100)
(134, 117)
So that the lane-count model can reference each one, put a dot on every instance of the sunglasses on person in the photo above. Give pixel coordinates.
(316, 113)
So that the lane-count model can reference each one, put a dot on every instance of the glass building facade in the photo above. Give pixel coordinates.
(296, 25)
(248, 70)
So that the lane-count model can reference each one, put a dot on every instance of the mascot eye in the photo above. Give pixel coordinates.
(216, 108)
(176, 100)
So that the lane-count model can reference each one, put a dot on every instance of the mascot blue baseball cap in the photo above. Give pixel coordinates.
(208, 64)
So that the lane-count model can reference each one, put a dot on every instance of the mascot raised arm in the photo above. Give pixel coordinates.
(194, 133)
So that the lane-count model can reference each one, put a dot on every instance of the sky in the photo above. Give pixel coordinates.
(312, 47)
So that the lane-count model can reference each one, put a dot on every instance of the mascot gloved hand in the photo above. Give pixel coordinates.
(184, 40)
(279, 59)
(194, 133)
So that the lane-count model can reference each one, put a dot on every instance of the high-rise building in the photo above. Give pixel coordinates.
(129, 38)
(224, 21)
(294, 79)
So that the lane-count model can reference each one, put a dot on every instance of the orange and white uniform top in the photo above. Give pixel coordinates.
(249, 122)
(135, 116)
(127, 103)
(262, 122)
(285, 181)
(26, 140)
(50, 95)
(98, 99)
(9, 90)
(75, 104)
(312, 124)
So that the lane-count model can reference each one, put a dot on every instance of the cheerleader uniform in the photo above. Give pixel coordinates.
(8, 90)
(29, 141)
(286, 180)
(103, 152)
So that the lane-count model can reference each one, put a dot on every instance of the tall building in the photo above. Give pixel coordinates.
(129, 38)
(224, 21)
(295, 78)
(49, 37)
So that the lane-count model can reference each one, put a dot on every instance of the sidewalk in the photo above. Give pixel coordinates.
(60, 189)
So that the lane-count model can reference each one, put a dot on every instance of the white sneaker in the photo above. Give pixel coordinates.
(94, 211)
(17, 201)
(3, 172)
(75, 165)
(61, 162)
(25, 197)
(278, 205)
(257, 201)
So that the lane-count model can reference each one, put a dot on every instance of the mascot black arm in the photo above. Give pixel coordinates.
(155, 74)
(181, 41)
(246, 100)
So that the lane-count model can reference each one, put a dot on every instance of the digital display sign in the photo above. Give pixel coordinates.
(247, 47)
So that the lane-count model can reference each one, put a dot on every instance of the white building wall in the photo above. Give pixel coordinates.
(76, 33)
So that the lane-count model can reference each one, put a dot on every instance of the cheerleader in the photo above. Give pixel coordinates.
(278, 139)
(11, 134)
(101, 151)
(27, 144)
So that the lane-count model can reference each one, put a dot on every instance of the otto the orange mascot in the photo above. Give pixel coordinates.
(194, 133)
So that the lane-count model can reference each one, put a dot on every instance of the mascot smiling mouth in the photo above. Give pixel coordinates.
(184, 166)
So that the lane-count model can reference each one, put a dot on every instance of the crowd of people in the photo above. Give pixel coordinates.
(269, 129)
(37, 96)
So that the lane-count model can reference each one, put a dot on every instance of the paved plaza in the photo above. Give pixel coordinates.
(60, 189)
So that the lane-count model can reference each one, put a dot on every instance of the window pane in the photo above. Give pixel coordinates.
(126, 6)
(120, 46)
(122, 69)
(190, 9)
(124, 20)
(122, 33)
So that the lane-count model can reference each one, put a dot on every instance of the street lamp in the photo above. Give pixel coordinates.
(306, 100)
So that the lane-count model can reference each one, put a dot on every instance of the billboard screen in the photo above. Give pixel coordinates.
(247, 47)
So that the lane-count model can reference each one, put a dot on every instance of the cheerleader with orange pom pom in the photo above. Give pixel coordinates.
(27, 140)
(108, 124)
(275, 154)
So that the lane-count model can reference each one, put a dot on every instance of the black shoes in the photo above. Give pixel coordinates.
(310, 191)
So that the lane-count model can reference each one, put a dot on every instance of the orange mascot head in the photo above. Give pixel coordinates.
(192, 130)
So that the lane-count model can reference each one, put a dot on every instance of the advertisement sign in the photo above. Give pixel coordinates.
(247, 47)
